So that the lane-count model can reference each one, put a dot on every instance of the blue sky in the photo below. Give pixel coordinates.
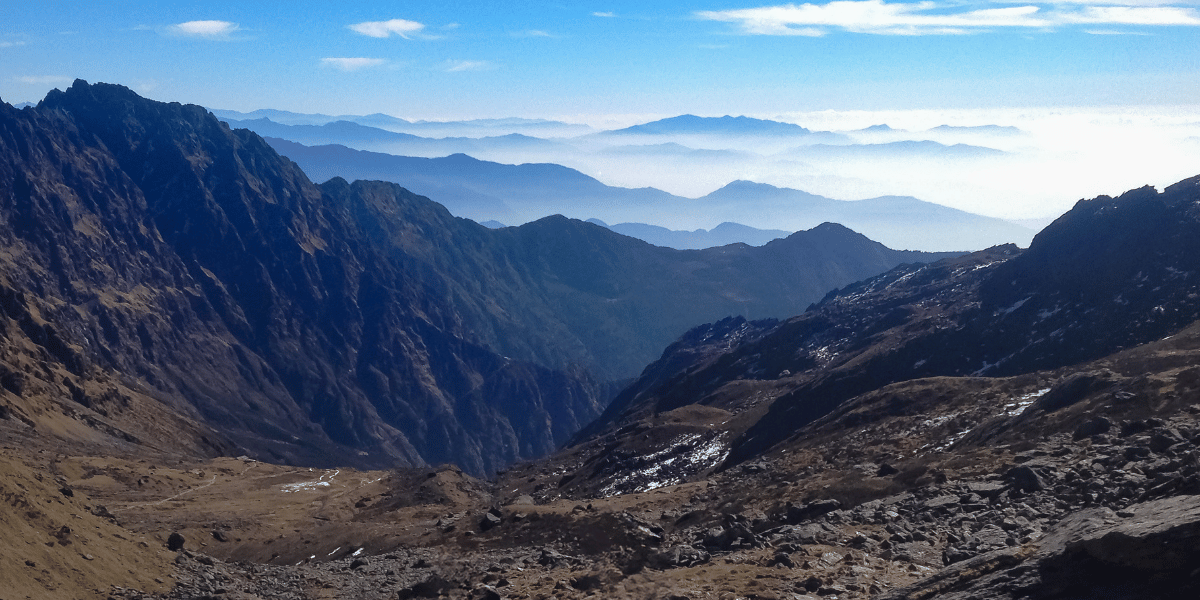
(444, 60)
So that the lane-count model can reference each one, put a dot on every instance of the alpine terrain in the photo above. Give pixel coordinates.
(221, 380)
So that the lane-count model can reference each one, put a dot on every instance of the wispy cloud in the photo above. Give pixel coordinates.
(213, 30)
(382, 29)
(42, 79)
(534, 33)
(11, 44)
(457, 66)
(943, 18)
(352, 63)
(607, 15)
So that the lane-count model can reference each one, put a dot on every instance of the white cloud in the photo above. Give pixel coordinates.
(11, 44)
(42, 79)
(352, 63)
(1136, 15)
(456, 66)
(608, 15)
(382, 29)
(937, 18)
(204, 29)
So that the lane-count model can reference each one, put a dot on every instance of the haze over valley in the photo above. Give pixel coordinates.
(1023, 165)
(863, 299)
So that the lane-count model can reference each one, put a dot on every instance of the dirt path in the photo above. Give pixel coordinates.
(207, 484)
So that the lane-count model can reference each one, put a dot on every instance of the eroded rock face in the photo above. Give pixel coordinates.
(149, 242)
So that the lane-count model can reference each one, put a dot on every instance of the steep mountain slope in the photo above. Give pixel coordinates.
(168, 273)
(1110, 274)
(149, 243)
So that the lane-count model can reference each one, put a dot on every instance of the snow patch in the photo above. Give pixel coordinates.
(1019, 304)
(671, 465)
(1020, 403)
(309, 486)
(1010, 409)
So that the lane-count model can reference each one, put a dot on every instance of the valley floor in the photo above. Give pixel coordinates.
(985, 496)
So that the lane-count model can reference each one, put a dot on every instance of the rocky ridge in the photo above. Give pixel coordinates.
(1087, 287)
(171, 283)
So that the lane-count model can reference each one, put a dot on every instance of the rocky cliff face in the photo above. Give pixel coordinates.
(183, 277)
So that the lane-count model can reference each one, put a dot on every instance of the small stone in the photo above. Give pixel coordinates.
(175, 542)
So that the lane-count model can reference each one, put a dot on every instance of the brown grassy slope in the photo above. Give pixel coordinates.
(54, 546)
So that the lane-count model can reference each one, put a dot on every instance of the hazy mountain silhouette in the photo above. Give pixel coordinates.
(483, 190)
(721, 235)
(897, 220)
(727, 125)
(364, 137)
(470, 128)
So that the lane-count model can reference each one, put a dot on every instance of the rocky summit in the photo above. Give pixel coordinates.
(221, 380)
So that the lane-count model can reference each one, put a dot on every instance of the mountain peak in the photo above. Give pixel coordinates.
(745, 184)
(726, 125)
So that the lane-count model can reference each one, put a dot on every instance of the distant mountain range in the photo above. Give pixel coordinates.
(721, 235)
(689, 155)
(483, 191)
(173, 285)
(470, 128)
(365, 137)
